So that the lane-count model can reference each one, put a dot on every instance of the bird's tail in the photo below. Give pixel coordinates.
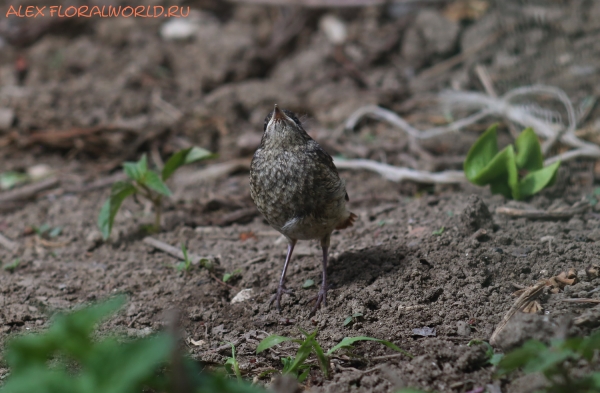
(348, 223)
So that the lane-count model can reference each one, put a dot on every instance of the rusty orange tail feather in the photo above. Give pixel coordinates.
(348, 223)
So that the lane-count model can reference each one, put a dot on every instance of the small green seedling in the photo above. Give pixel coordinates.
(308, 283)
(229, 276)
(70, 358)
(12, 266)
(147, 183)
(298, 368)
(10, 179)
(560, 362)
(352, 318)
(493, 358)
(187, 262)
(46, 231)
(515, 172)
(231, 364)
(438, 232)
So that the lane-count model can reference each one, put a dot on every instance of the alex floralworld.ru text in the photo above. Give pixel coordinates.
(84, 11)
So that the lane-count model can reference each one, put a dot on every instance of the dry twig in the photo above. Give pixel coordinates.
(398, 174)
(176, 252)
(558, 214)
(526, 298)
(28, 191)
(7, 243)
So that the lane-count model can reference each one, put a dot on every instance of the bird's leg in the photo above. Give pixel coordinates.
(322, 296)
(282, 289)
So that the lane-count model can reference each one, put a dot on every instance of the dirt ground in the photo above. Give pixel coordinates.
(82, 96)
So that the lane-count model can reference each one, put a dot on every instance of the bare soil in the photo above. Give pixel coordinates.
(412, 260)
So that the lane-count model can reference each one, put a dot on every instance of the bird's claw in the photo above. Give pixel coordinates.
(321, 298)
(277, 296)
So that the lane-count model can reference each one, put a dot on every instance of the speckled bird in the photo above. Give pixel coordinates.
(297, 188)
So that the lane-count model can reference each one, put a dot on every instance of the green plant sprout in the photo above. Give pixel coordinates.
(515, 172)
(352, 318)
(308, 283)
(438, 232)
(147, 183)
(560, 362)
(46, 231)
(232, 366)
(298, 367)
(229, 276)
(187, 262)
(493, 358)
(12, 266)
(68, 358)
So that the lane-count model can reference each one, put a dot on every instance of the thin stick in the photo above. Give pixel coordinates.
(398, 174)
(578, 208)
(7, 243)
(575, 300)
(528, 296)
(28, 191)
(176, 252)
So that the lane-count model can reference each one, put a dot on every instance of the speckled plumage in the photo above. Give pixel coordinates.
(296, 186)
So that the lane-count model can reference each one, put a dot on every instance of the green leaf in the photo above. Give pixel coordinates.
(55, 232)
(271, 341)
(12, 266)
(153, 181)
(529, 153)
(303, 353)
(321, 357)
(528, 352)
(438, 232)
(347, 321)
(10, 179)
(137, 170)
(183, 157)
(348, 341)
(481, 154)
(308, 283)
(119, 191)
(536, 181)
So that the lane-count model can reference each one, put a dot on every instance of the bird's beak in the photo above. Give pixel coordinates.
(278, 114)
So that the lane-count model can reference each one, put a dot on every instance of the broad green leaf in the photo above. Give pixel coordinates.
(481, 154)
(496, 169)
(137, 362)
(137, 170)
(271, 341)
(10, 179)
(347, 321)
(513, 173)
(529, 153)
(548, 361)
(536, 181)
(348, 341)
(183, 157)
(303, 353)
(153, 181)
(321, 357)
(308, 283)
(119, 191)
(528, 352)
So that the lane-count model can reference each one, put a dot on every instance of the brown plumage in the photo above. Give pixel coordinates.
(296, 186)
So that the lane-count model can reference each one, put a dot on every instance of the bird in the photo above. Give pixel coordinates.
(297, 188)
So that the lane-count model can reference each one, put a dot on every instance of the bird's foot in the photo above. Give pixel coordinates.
(277, 296)
(321, 298)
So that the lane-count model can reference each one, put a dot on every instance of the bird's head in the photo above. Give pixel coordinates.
(283, 127)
